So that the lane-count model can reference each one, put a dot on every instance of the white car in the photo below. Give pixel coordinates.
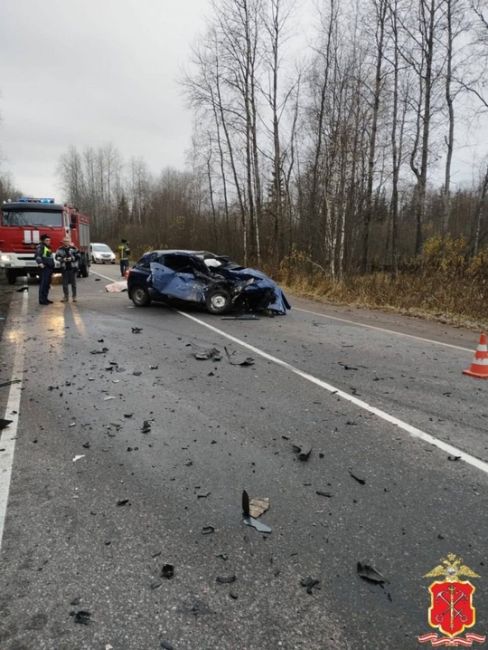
(101, 254)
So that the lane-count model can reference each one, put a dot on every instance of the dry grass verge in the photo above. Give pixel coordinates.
(443, 285)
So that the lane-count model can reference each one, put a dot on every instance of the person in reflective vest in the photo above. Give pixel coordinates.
(124, 252)
(68, 257)
(45, 262)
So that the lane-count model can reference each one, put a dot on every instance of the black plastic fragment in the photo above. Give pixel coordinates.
(225, 580)
(360, 480)
(208, 530)
(324, 494)
(146, 427)
(454, 458)
(13, 381)
(245, 504)
(167, 571)
(310, 584)
(303, 451)
(136, 330)
(369, 573)
(123, 502)
(4, 423)
(167, 645)
(82, 617)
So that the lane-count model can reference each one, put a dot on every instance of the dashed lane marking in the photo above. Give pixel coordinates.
(8, 437)
(412, 431)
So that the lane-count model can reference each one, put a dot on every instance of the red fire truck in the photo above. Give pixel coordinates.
(23, 221)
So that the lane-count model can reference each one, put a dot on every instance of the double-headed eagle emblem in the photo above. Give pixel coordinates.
(452, 568)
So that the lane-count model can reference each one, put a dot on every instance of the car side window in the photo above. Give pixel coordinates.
(145, 261)
(179, 263)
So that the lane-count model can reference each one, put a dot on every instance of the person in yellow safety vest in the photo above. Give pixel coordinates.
(124, 253)
(45, 261)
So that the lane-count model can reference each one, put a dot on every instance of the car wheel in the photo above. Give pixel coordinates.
(218, 301)
(140, 297)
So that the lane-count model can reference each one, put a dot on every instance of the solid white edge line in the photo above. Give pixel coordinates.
(8, 436)
(384, 329)
(105, 277)
(414, 432)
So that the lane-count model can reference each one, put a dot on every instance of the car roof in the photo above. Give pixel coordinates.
(180, 252)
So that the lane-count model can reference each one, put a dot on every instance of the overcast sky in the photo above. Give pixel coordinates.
(88, 72)
(92, 72)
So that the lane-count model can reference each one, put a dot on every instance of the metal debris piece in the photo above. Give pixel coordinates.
(310, 584)
(251, 521)
(367, 572)
(102, 351)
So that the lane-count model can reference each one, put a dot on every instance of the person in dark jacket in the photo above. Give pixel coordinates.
(68, 257)
(45, 262)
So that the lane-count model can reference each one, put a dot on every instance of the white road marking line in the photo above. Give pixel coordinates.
(8, 436)
(384, 329)
(414, 432)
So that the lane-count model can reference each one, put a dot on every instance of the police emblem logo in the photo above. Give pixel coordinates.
(451, 608)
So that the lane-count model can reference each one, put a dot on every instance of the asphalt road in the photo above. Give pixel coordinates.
(376, 396)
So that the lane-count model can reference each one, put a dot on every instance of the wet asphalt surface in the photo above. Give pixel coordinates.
(93, 535)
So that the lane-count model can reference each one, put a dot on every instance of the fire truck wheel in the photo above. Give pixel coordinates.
(11, 276)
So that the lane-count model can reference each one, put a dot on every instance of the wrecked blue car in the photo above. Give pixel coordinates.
(202, 278)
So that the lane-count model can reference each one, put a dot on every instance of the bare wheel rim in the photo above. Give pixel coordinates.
(218, 301)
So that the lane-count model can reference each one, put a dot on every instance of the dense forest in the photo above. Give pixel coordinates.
(333, 151)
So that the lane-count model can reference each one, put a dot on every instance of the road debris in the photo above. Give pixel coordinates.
(324, 494)
(454, 458)
(23, 288)
(123, 502)
(241, 317)
(78, 457)
(310, 584)
(167, 571)
(258, 506)
(360, 480)
(82, 617)
(146, 427)
(225, 580)
(116, 287)
(9, 383)
(208, 530)
(136, 330)
(167, 645)
(102, 351)
(367, 572)
(251, 521)
(4, 423)
(303, 450)
(209, 353)
(238, 359)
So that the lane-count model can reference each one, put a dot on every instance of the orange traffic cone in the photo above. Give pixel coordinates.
(479, 367)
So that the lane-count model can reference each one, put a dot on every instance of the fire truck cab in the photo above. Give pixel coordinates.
(22, 222)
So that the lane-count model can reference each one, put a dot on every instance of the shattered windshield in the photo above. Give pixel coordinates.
(32, 218)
